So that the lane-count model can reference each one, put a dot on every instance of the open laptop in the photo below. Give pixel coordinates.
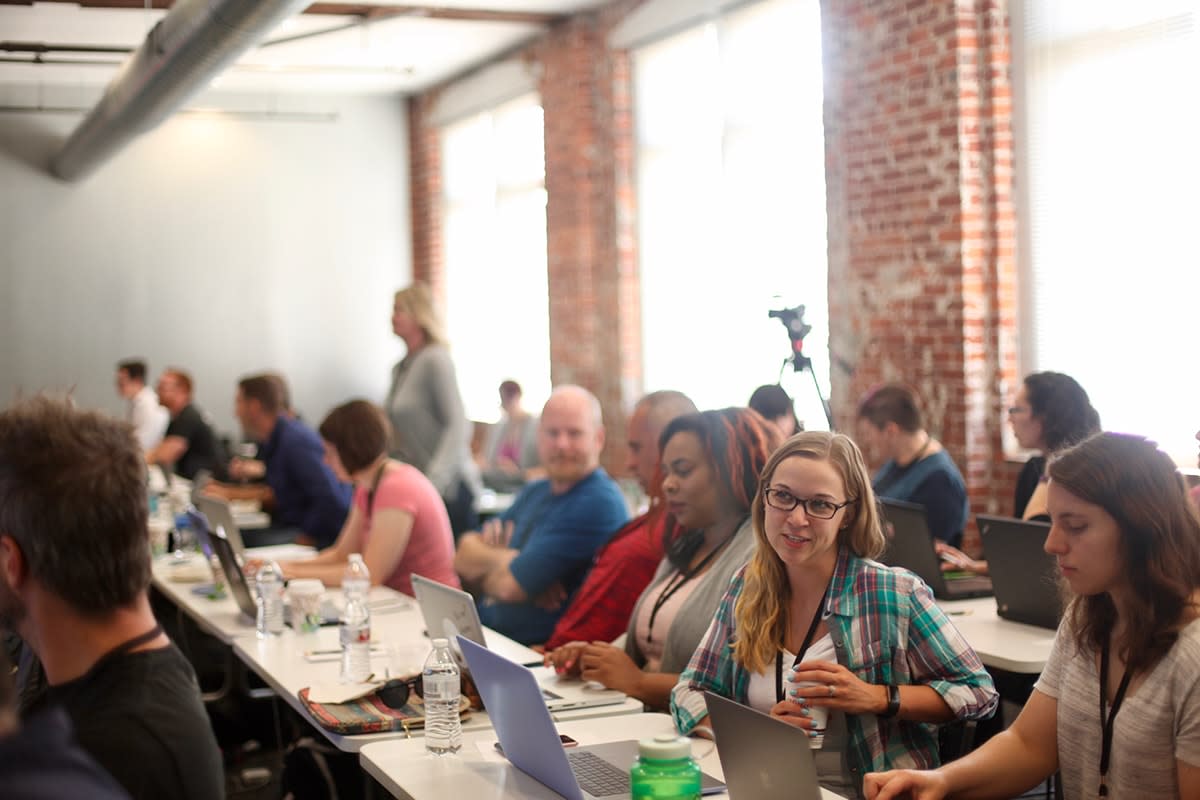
(910, 545)
(220, 518)
(762, 758)
(235, 579)
(1024, 575)
(217, 543)
(450, 612)
(530, 741)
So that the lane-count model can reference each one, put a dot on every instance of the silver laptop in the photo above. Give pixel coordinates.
(220, 519)
(762, 758)
(530, 741)
(450, 612)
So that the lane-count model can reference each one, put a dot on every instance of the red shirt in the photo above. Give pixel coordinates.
(623, 568)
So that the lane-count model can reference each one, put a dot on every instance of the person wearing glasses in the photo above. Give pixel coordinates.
(1050, 412)
(813, 628)
(710, 467)
(1117, 708)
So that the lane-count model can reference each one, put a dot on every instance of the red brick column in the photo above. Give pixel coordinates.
(921, 223)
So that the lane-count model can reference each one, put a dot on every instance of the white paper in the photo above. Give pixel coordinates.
(340, 692)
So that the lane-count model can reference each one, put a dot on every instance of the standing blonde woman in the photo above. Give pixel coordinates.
(813, 626)
(426, 410)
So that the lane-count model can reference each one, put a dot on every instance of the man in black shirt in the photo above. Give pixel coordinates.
(39, 760)
(74, 573)
(190, 443)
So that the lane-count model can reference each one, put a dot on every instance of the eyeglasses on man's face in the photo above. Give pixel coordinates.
(816, 507)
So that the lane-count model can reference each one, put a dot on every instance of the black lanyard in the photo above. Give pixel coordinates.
(812, 629)
(677, 581)
(1108, 718)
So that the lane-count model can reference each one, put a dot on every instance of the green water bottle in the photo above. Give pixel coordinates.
(665, 770)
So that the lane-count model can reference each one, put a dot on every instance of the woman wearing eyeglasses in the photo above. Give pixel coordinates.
(710, 467)
(812, 627)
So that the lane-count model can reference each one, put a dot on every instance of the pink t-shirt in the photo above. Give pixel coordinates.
(430, 550)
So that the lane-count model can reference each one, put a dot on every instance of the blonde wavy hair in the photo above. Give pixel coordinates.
(761, 612)
(417, 300)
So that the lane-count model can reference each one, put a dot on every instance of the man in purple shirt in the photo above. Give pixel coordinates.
(304, 497)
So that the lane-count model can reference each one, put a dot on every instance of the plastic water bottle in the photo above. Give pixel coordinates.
(665, 770)
(354, 630)
(268, 586)
(441, 687)
(356, 578)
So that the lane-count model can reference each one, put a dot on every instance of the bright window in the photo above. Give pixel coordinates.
(1108, 165)
(731, 202)
(495, 249)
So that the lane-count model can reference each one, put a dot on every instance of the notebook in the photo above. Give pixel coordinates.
(450, 612)
(762, 757)
(1024, 575)
(910, 545)
(530, 741)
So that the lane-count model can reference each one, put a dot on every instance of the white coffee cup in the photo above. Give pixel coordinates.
(305, 595)
(818, 714)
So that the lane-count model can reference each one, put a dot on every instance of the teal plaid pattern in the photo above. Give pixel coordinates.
(892, 632)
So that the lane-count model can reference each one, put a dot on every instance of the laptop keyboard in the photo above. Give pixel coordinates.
(596, 776)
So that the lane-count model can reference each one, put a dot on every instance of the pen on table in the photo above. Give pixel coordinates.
(375, 649)
(959, 613)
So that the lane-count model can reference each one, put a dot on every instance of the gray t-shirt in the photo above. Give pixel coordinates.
(1157, 724)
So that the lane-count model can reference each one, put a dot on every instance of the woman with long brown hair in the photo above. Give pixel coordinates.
(813, 627)
(1117, 708)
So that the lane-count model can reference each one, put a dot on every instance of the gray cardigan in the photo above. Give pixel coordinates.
(697, 612)
(430, 425)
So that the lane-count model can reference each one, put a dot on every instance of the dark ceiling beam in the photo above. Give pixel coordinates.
(362, 10)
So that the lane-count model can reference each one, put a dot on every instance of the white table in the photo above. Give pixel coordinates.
(999, 642)
(217, 616)
(478, 772)
(280, 661)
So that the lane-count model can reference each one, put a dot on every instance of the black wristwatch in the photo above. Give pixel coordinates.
(893, 706)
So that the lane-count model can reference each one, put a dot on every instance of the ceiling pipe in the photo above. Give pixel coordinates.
(188, 47)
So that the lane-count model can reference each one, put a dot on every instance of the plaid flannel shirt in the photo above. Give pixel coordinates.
(886, 629)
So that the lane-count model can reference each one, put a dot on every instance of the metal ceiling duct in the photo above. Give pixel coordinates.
(188, 47)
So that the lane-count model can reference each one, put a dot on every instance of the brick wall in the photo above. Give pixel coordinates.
(595, 320)
(921, 222)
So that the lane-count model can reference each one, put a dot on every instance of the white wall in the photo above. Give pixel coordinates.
(220, 244)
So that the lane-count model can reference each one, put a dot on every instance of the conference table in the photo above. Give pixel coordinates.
(478, 772)
(1000, 643)
(293, 661)
(400, 648)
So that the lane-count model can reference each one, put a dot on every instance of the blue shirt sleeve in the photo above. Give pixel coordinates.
(562, 543)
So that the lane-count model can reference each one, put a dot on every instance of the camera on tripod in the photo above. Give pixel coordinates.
(797, 328)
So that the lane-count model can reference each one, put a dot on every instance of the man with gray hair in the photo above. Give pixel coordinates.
(554, 527)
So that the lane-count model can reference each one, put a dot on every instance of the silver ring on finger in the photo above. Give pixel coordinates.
(832, 691)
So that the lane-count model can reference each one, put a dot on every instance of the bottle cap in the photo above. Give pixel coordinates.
(440, 643)
(665, 747)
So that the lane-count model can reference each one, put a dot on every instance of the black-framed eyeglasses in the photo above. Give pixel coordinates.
(1014, 410)
(395, 693)
(816, 507)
